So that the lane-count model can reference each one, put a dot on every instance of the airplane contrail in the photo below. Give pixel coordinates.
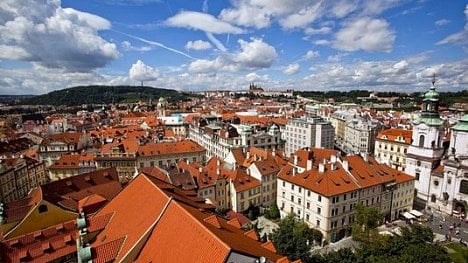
(216, 42)
(156, 44)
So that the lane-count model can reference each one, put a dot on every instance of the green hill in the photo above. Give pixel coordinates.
(104, 95)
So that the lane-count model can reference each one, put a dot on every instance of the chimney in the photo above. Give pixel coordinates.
(321, 168)
(248, 155)
(309, 165)
(333, 158)
(294, 171)
(200, 169)
(333, 166)
(273, 152)
(346, 165)
(364, 156)
(296, 159)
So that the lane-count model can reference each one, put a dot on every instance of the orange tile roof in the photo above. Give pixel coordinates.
(317, 155)
(155, 172)
(361, 174)
(393, 134)
(48, 244)
(74, 161)
(328, 183)
(169, 148)
(135, 209)
(67, 192)
(126, 145)
(17, 210)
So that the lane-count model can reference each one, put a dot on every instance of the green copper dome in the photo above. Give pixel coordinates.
(462, 124)
(431, 94)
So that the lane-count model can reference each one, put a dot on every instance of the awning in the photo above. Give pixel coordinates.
(416, 213)
(408, 215)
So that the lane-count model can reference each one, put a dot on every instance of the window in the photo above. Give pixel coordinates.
(464, 187)
(292, 187)
(307, 217)
(417, 176)
(449, 180)
(299, 200)
(335, 199)
(292, 198)
(317, 223)
(436, 182)
(319, 198)
(319, 210)
(308, 205)
(433, 198)
(308, 193)
(284, 184)
(300, 189)
(344, 197)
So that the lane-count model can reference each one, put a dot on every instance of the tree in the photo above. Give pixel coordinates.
(272, 212)
(344, 255)
(294, 238)
(368, 218)
(413, 245)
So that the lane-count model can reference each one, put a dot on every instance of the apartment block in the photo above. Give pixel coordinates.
(322, 189)
(391, 146)
(308, 132)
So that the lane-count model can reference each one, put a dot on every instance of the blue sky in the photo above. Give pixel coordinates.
(198, 45)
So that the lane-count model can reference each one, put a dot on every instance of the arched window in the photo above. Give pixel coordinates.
(421, 141)
(433, 198)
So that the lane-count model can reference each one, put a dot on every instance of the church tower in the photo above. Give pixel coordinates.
(162, 106)
(426, 149)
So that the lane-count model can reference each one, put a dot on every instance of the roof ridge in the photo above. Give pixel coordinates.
(204, 227)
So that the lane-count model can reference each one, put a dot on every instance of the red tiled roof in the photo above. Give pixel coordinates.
(17, 210)
(393, 134)
(73, 161)
(69, 191)
(135, 209)
(169, 148)
(361, 174)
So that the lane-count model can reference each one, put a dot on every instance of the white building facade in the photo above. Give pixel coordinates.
(312, 132)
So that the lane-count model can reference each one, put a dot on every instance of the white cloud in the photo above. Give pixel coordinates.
(343, 8)
(311, 54)
(252, 55)
(315, 31)
(254, 77)
(291, 69)
(368, 34)
(203, 22)
(216, 42)
(442, 22)
(322, 42)
(303, 17)
(141, 72)
(460, 37)
(244, 15)
(198, 45)
(127, 46)
(299, 13)
(255, 54)
(53, 36)
(337, 57)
